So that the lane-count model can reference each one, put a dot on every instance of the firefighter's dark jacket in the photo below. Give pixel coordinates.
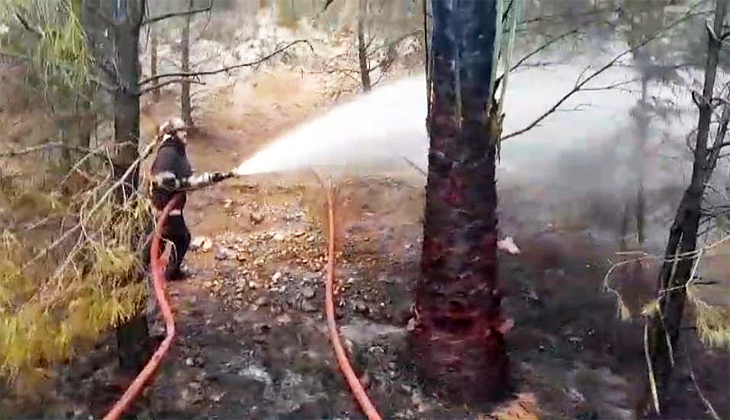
(171, 161)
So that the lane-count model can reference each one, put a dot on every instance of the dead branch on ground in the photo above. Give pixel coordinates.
(708, 405)
(107, 194)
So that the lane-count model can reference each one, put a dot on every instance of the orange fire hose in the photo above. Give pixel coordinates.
(158, 276)
(158, 266)
(352, 380)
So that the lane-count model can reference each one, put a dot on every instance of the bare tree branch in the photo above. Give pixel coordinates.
(611, 86)
(229, 68)
(543, 46)
(46, 146)
(570, 15)
(414, 166)
(176, 14)
(579, 86)
(23, 21)
(42, 253)
(169, 82)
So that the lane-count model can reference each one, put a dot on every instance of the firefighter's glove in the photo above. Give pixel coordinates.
(166, 181)
(220, 176)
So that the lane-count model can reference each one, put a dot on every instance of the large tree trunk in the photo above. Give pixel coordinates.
(458, 336)
(185, 86)
(665, 323)
(132, 337)
(362, 48)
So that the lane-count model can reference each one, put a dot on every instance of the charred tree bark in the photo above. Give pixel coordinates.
(362, 48)
(153, 61)
(458, 339)
(187, 115)
(664, 324)
(133, 336)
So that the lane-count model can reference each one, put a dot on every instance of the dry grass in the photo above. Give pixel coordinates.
(69, 268)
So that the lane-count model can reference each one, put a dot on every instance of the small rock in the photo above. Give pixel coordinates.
(217, 397)
(278, 237)
(189, 361)
(575, 396)
(361, 307)
(308, 292)
(307, 306)
(256, 218)
(256, 373)
(349, 345)
(411, 324)
(193, 394)
(283, 319)
(261, 328)
(202, 243)
(241, 257)
(261, 301)
(508, 245)
(222, 253)
(577, 341)
(276, 277)
(227, 203)
(365, 380)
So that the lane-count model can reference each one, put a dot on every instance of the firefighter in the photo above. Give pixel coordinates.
(171, 173)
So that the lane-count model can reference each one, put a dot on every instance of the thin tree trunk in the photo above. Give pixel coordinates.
(362, 50)
(185, 86)
(153, 60)
(133, 336)
(458, 339)
(91, 25)
(640, 157)
(664, 324)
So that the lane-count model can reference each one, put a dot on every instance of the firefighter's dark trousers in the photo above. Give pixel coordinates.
(177, 235)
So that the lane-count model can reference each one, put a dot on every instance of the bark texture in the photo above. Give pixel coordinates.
(362, 48)
(133, 336)
(153, 60)
(457, 340)
(665, 324)
(185, 106)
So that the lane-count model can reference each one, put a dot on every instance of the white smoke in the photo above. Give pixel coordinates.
(388, 123)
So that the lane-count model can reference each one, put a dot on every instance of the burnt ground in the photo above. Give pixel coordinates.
(252, 339)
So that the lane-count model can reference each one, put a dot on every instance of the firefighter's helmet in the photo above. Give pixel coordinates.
(171, 126)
